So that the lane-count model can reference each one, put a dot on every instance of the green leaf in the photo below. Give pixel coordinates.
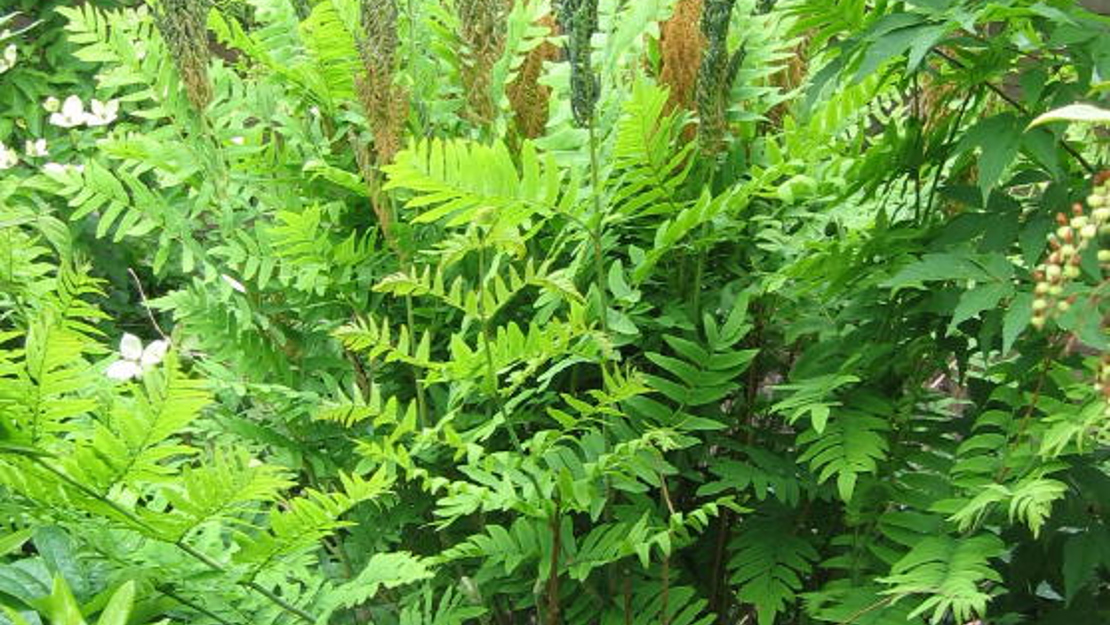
(1017, 319)
(60, 606)
(937, 268)
(1083, 555)
(977, 300)
(998, 139)
(1083, 113)
(119, 606)
(14, 541)
(619, 286)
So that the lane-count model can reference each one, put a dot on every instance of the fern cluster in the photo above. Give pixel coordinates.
(463, 325)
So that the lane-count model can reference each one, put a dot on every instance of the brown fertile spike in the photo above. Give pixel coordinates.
(385, 103)
(529, 99)
(1077, 209)
(482, 31)
(681, 43)
(1102, 177)
(1061, 219)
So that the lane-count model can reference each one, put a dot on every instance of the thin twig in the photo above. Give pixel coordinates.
(192, 605)
(553, 572)
(1017, 105)
(146, 304)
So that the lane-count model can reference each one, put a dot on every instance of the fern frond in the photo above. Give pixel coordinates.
(949, 571)
(767, 565)
(131, 446)
(306, 520)
(465, 182)
(384, 570)
(227, 484)
(652, 170)
(852, 444)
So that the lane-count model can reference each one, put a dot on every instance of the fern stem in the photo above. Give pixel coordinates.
(491, 373)
(421, 401)
(553, 572)
(665, 495)
(150, 530)
(599, 261)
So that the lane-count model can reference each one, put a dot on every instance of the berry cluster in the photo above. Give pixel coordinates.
(1071, 238)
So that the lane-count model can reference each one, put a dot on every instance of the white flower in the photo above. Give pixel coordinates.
(71, 115)
(233, 283)
(59, 169)
(36, 148)
(102, 113)
(8, 158)
(52, 104)
(11, 54)
(134, 360)
(238, 140)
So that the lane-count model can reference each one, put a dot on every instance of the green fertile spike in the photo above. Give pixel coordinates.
(716, 74)
(579, 19)
(183, 24)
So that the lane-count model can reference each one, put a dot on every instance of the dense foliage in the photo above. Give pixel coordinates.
(582, 311)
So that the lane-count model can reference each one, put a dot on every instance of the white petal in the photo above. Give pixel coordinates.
(123, 370)
(233, 283)
(130, 347)
(8, 158)
(154, 353)
(73, 107)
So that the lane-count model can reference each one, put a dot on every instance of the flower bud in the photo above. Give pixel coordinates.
(1063, 306)
(1040, 304)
